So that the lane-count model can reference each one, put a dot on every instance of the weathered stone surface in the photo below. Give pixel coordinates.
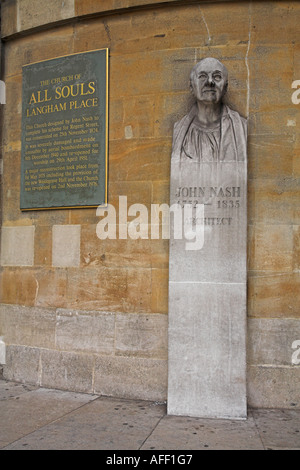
(67, 371)
(25, 14)
(86, 332)
(141, 335)
(207, 350)
(28, 326)
(37, 408)
(66, 245)
(272, 248)
(296, 247)
(275, 200)
(13, 389)
(47, 419)
(159, 298)
(79, 421)
(51, 287)
(12, 123)
(131, 377)
(134, 160)
(92, 6)
(9, 12)
(114, 253)
(110, 289)
(273, 387)
(30, 15)
(43, 246)
(270, 340)
(274, 295)
(279, 429)
(18, 286)
(22, 364)
(204, 434)
(46, 45)
(17, 246)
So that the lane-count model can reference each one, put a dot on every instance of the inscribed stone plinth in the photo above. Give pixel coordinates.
(207, 286)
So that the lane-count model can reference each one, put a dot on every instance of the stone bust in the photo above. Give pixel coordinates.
(211, 131)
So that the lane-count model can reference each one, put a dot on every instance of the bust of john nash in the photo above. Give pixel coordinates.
(211, 131)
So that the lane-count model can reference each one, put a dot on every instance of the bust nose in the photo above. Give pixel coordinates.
(211, 81)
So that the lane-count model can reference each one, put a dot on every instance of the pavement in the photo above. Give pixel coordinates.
(34, 418)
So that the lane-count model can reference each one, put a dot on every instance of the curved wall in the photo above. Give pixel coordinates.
(100, 325)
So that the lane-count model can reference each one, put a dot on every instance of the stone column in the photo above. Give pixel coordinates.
(207, 281)
(207, 294)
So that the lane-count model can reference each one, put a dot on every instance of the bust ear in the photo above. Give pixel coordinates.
(225, 88)
(191, 87)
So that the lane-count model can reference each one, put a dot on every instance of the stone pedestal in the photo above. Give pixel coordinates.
(207, 293)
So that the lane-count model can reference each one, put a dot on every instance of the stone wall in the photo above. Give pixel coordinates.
(91, 315)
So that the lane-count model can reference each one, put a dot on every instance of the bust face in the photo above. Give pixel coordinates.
(209, 79)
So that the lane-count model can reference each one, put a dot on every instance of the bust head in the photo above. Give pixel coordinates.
(209, 81)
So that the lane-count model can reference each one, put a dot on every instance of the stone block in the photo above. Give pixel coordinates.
(270, 341)
(160, 254)
(277, 89)
(17, 246)
(273, 153)
(82, 331)
(42, 46)
(141, 335)
(110, 289)
(91, 35)
(30, 14)
(83, 216)
(9, 18)
(93, 6)
(67, 371)
(131, 377)
(276, 200)
(136, 192)
(274, 295)
(43, 245)
(139, 117)
(273, 387)
(207, 363)
(28, 326)
(272, 248)
(114, 253)
(66, 245)
(221, 259)
(283, 15)
(169, 108)
(140, 160)
(22, 364)
(18, 286)
(51, 287)
(159, 293)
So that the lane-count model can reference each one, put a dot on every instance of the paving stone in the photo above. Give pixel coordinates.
(279, 429)
(24, 413)
(106, 423)
(13, 389)
(181, 433)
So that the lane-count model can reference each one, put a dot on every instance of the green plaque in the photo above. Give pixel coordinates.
(65, 132)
